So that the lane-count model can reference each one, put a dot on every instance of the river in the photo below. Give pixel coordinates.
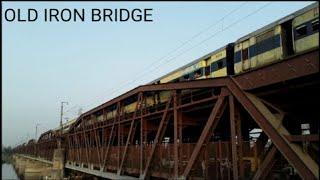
(8, 172)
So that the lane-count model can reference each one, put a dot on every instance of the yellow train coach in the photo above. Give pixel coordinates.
(295, 33)
(257, 49)
(215, 64)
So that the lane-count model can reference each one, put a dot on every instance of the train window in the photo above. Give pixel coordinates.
(207, 71)
(176, 80)
(301, 31)
(191, 76)
(265, 36)
(245, 54)
(220, 64)
(214, 66)
(197, 73)
(186, 77)
(315, 25)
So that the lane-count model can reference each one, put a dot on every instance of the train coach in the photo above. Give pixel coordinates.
(291, 35)
(215, 64)
(288, 36)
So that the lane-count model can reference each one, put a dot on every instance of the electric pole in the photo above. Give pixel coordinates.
(36, 131)
(61, 116)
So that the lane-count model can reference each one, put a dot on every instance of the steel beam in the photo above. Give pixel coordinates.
(212, 122)
(303, 163)
(236, 138)
(294, 67)
(160, 112)
(159, 137)
(266, 165)
(141, 145)
(138, 106)
(99, 173)
(111, 134)
(98, 145)
(175, 127)
(119, 142)
(233, 139)
(302, 138)
(86, 144)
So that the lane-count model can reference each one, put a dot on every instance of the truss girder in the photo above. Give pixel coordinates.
(232, 94)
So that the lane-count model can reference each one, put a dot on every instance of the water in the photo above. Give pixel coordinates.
(8, 172)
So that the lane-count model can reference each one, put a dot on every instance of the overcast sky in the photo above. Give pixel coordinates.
(88, 63)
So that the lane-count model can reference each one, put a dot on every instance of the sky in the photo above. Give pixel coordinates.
(88, 63)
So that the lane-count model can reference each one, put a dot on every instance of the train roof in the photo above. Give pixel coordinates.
(279, 21)
(189, 64)
(66, 124)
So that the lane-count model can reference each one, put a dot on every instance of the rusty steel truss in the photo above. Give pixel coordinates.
(202, 130)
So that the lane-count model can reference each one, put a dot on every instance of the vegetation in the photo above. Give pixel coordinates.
(6, 154)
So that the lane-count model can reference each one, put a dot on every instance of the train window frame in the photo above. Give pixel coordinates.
(315, 24)
(207, 71)
(245, 54)
(298, 33)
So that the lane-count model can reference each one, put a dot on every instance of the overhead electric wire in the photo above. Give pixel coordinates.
(174, 50)
(240, 19)
(157, 67)
(68, 110)
(186, 42)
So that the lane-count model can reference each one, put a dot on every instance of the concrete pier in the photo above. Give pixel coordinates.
(29, 168)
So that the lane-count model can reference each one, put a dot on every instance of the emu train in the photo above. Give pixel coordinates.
(289, 36)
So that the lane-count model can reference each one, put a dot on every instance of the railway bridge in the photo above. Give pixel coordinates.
(260, 124)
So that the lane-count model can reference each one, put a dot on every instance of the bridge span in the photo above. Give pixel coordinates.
(259, 124)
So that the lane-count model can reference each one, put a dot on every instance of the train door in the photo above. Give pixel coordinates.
(246, 64)
(230, 59)
(286, 38)
(207, 70)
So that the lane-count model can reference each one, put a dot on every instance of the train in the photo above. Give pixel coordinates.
(291, 35)
(294, 34)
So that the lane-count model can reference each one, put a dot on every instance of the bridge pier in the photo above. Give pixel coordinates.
(58, 164)
(35, 170)
(19, 164)
(29, 168)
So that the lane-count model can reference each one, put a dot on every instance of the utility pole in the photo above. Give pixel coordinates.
(36, 131)
(61, 116)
